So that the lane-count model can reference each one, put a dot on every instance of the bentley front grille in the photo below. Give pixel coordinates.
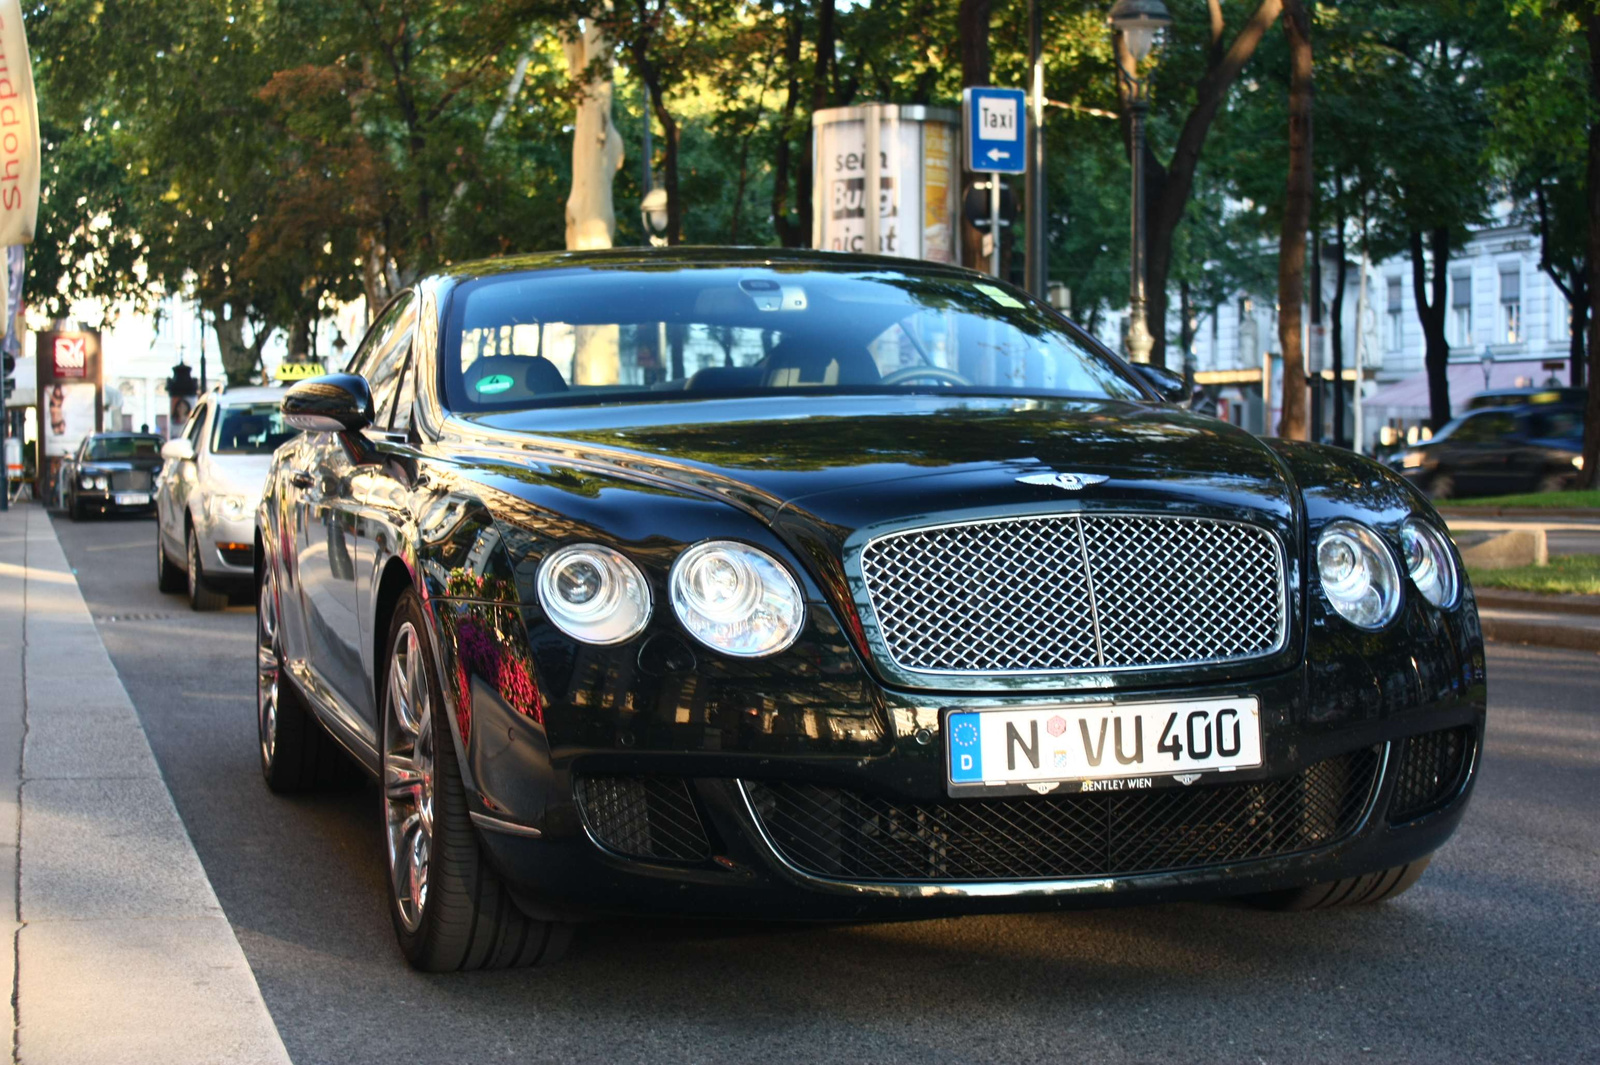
(851, 835)
(1077, 592)
(643, 817)
(130, 480)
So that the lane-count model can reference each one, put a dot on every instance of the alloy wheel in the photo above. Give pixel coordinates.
(267, 670)
(408, 776)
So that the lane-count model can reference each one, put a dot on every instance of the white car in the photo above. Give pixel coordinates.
(206, 496)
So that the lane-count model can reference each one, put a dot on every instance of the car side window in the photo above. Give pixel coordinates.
(197, 421)
(392, 343)
(400, 420)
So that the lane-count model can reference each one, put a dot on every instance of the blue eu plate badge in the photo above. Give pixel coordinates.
(966, 750)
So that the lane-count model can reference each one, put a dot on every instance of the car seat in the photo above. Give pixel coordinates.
(506, 378)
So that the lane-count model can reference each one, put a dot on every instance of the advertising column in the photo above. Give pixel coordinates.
(906, 155)
(68, 364)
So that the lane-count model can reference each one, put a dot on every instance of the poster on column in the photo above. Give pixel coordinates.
(914, 201)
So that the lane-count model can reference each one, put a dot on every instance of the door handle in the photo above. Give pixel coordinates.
(301, 479)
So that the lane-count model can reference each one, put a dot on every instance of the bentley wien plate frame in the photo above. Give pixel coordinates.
(1066, 748)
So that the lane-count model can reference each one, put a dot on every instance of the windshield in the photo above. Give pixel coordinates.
(573, 337)
(253, 429)
(123, 448)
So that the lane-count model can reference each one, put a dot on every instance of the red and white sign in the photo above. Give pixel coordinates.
(70, 356)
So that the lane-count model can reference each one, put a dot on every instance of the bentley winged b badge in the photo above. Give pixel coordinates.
(1071, 482)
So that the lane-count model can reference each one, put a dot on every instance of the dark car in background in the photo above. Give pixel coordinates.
(798, 585)
(1499, 450)
(111, 472)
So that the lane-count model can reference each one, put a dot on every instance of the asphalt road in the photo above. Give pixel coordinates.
(1494, 956)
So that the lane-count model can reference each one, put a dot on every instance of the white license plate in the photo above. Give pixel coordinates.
(131, 499)
(1060, 744)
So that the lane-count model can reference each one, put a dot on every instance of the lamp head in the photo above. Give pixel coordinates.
(1140, 21)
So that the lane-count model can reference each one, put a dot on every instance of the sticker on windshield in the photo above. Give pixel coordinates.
(495, 383)
(1000, 296)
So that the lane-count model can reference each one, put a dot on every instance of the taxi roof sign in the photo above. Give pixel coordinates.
(299, 371)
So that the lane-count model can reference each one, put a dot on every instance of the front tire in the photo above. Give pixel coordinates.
(1365, 890)
(451, 911)
(169, 578)
(202, 597)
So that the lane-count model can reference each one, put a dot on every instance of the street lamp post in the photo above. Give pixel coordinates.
(1138, 21)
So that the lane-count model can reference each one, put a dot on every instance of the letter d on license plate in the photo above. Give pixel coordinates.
(1062, 744)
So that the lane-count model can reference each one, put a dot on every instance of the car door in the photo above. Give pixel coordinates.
(178, 484)
(325, 529)
(378, 496)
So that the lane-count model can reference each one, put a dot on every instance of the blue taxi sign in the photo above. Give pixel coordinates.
(997, 135)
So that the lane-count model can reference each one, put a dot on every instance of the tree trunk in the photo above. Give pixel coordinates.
(1576, 349)
(972, 36)
(596, 144)
(1431, 313)
(1296, 219)
(670, 136)
(788, 230)
(1341, 274)
(240, 361)
(1589, 476)
(806, 178)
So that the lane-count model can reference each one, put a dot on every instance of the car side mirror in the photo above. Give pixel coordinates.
(1168, 385)
(179, 450)
(332, 403)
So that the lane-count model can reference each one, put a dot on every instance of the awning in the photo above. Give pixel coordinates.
(1466, 381)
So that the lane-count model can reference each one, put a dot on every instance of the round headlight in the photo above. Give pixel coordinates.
(233, 508)
(1358, 574)
(86, 481)
(594, 594)
(1428, 560)
(102, 483)
(736, 599)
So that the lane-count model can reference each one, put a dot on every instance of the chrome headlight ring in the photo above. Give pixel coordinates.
(736, 599)
(594, 593)
(1358, 574)
(1430, 563)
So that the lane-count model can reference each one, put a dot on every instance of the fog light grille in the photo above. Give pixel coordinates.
(851, 835)
(643, 817)
(1432, 766)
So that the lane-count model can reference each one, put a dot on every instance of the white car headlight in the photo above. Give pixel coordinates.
(736, 599)
(232, 508)
(86, 481)
(1358, 574)
(1428, 560)
(594, 594)
(1413, 459)
(102, 482)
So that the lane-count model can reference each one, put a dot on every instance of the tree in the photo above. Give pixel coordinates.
(1169, 186)
(1296, 220)
(596, 144)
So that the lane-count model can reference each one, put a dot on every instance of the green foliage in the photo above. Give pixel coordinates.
(1565, 575)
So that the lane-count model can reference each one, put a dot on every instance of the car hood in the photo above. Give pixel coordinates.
(853, 462)
(122, 464)
(238, 475)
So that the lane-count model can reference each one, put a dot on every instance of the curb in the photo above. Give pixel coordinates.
(1502, 629)
(1506, 599)
(123, 952)
(1585, 514)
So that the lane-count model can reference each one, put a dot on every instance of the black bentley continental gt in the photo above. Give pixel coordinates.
(797, 585)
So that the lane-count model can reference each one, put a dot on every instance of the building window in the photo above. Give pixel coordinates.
(1461, 311)
(1393, 335)
(1511, 304)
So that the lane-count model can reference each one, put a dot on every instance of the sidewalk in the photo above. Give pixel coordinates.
(1570, 621)
(122, 952)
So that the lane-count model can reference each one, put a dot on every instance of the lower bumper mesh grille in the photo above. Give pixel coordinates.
(850, 835)
(130, 480)
(1431, 769)
(644, 817)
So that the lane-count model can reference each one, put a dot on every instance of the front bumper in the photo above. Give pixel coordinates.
(228, 545)
(116, 499)
(588, 857)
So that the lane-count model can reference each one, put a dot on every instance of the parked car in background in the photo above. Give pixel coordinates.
(111, 472)
(1525, 397)
(1499, 450)
(208, 491)
(795, 584)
